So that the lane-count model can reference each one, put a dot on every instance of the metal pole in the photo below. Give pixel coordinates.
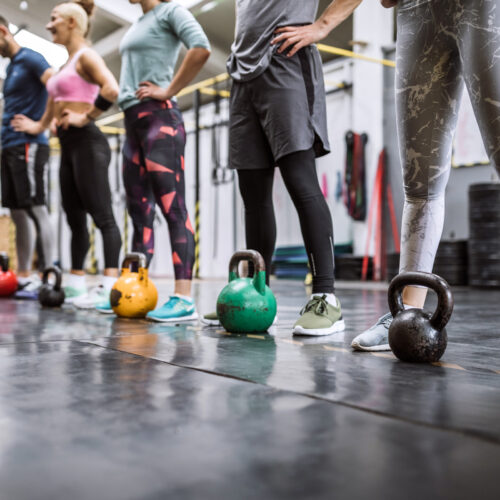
(196, 268)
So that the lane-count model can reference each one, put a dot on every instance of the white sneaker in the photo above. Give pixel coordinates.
(29, 289)
(96, 295)
(376, 338)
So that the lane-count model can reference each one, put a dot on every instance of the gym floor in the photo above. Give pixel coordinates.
(96, 407)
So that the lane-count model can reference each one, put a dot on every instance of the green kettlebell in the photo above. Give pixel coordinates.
(246, 305)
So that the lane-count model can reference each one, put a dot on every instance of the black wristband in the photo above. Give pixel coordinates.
(102, 103)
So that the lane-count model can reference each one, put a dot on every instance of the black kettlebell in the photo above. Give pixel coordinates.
(415, 335)
(48, 295)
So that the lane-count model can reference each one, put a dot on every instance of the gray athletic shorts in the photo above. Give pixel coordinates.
(281, 111)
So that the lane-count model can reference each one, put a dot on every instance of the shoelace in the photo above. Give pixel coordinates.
(317, 304)
(96, 291)
(385, 320)
(32, 286)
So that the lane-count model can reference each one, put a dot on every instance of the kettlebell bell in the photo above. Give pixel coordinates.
(48, 295)
(8, 279)
(133, 295)
(246, 305)
(415, 335)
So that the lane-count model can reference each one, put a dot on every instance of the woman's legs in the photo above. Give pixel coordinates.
(479, 43)
(154, 172)
(429, 86)
(90, 171)
(140, 198)
(165, 169)
(75, 214)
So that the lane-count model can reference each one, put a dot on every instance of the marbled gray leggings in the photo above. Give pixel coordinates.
(441, 44)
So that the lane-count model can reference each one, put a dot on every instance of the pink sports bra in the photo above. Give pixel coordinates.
(68, 85)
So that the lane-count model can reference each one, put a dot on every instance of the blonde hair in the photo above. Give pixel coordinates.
(80, 11)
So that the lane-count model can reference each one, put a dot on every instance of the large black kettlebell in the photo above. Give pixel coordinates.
(51, 295)
(415, 335)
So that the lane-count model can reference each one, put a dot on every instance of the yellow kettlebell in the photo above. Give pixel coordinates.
(134, 294)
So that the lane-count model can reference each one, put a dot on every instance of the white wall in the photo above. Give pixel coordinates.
(373, 25)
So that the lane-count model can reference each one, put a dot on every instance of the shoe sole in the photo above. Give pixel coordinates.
(216, 322)
(25, 297)
(381, 347)
(182, 319)
(70, 300)
(210, 322)
(105, 311)
(85, 307)
(338, 326)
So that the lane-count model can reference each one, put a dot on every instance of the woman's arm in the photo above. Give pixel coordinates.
(21, 123)
(297, 37)
(192, 63)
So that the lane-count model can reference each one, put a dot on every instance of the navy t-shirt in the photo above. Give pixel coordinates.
(24, 94)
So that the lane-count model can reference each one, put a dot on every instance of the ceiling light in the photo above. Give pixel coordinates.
(208, 6)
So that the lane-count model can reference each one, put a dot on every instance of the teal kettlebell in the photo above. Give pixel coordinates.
(246, 305)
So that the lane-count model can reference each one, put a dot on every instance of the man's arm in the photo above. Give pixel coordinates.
(46, 75)
(297, 37)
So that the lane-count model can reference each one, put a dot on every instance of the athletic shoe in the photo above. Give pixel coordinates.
(96, 295)
(104, 307)
(319, 317)
(71, 293)
(375, 338)
(29, 291)
(174, 310)
(211, 319)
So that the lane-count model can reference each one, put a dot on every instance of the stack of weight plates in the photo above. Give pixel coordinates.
(349, 267)
(451, 262)
(484, 235)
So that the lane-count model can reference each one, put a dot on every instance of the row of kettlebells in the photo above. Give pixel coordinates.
(247, 305)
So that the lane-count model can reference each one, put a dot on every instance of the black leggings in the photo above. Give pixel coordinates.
(301, 180)
(85, 156)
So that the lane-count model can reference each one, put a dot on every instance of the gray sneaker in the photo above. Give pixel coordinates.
(375, 338)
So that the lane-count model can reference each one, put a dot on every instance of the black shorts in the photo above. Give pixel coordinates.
(280, 112)
(23, 175)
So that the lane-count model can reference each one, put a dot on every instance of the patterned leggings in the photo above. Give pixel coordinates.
(441, 45)
(153, 173)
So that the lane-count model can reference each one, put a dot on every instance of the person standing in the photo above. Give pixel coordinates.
(24, 159)
(278, 118)
(153, 154)
(82, 89)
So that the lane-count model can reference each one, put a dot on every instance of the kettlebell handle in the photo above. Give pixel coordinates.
(259, 275)
(132, 257)
(443, 311)
(56, 272)
(253, 255)
(4, 261)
